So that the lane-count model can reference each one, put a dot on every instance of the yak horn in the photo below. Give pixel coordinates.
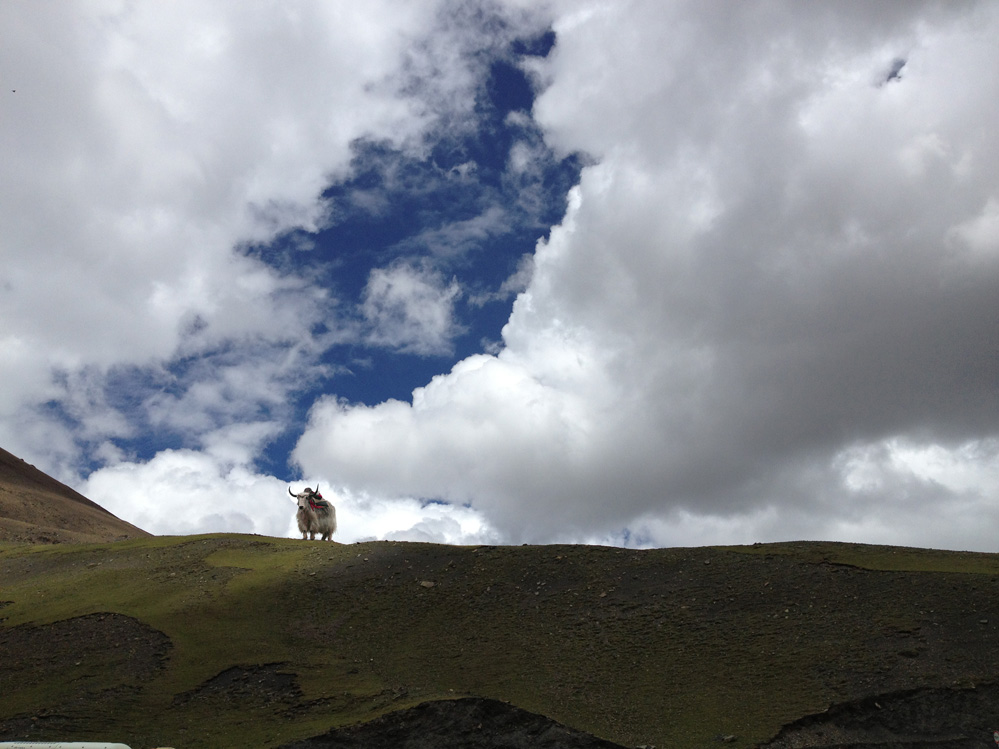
(291, 492)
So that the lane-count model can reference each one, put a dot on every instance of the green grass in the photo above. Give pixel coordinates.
(672, 647)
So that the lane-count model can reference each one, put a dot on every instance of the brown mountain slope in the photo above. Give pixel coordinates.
(35, 508)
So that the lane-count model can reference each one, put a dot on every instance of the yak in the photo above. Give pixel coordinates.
(315, 514)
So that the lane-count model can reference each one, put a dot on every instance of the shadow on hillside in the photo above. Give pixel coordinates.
(468, 723)
(917, 719)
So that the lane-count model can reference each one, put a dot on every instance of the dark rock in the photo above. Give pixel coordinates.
(941, 718)
(468, 723)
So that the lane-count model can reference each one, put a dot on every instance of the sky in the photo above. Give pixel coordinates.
(632, 273)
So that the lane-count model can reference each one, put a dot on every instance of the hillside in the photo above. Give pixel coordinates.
(35, 508)
(230, 640)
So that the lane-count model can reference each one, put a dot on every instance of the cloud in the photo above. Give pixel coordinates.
(181, 492)
(151, 149)
(767, 312)
(411, 309)
(978, 237)
(459, 237)
(751, 282)
(371, 519)
(511, 286)
(148, 144)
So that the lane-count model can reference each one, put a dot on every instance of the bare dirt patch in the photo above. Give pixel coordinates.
(69, 661)
(247, 687)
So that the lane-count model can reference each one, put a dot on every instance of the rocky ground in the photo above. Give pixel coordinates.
(469, 723)
(941, 718)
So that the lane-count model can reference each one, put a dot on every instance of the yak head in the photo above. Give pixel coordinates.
(306, 497)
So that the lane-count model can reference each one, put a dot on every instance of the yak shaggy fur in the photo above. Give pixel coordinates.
(312, 521)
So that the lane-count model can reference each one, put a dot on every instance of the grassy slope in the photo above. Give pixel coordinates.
(672, 647)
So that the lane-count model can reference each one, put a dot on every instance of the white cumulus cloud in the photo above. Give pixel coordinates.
(768, 312)
(751, 281)
(411, 309)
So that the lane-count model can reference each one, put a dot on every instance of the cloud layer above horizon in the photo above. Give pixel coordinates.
(766, 310)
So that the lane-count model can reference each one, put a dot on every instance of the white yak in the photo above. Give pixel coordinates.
(315, 514)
